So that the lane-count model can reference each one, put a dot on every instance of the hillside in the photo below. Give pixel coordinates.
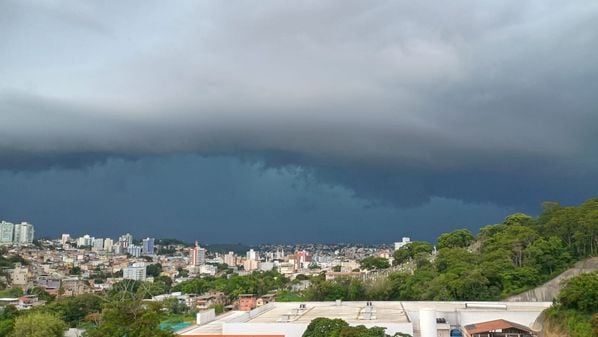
(550, 290)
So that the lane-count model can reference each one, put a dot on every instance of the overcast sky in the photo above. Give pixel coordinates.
(266, 121)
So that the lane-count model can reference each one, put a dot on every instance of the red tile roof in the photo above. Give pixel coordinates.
(498, 324)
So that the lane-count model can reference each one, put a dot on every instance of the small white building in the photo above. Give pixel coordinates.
(405, 241)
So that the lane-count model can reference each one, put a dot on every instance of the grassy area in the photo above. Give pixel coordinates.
(288, 296)
(577, 324)
(179, 318)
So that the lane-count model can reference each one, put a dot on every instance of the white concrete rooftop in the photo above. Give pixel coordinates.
(351, 312)
(356, 313)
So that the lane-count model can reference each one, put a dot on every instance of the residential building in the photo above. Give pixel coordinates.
(230, 259)
(247, 302)
(134, 250)
(7, 230)
(136, 272)
(197, 255)
(302, 259)
(498, 328)
(65, 238)
(252, 255)
(23, 234)
(85, 241)
(147, 247)
(19, 276)
(97, 244)
(74, 286)
(126, 240)
(251, 265)
(108, 244)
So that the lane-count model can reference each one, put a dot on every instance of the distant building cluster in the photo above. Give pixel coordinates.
(124, 244)
(16, 234)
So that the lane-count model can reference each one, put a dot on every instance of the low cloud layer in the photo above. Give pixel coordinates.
(399, 101)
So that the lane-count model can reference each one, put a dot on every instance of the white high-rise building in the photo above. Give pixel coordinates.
(7, 230)
(65, 238)
(403, 243)
(136, 272)
(134, 250)
(98, 244)
(252, 255)
(85, 241)
(108, 243)
(23, 234)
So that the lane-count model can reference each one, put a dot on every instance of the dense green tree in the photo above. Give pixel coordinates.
(519, 219)
(42, 294)
(324, 327)
(581, 293)
(39, 324)
(374, 262)
(73, 310)
(6, 327)
(548, 255)
(455, 260)
(7, 320)
(154, 270)
(126, 316)
(362, 331)
(259, 283)
(409, 251)
(459, 238)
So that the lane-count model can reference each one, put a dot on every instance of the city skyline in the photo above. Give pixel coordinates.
(270, 122)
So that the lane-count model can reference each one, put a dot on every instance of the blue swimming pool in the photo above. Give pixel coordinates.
(174, 326)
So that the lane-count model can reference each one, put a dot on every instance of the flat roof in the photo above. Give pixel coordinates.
(351, 312)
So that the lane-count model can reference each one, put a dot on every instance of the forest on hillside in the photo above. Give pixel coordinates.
(503, 259)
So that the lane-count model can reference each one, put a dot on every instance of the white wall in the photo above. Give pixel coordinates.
(297, 329)
(286, 329)
(204, 317)
(522, 317)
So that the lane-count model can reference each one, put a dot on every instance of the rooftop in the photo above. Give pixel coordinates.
(498, 324)
(352, 312)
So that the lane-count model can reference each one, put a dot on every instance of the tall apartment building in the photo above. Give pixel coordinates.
(18, 234)
(65, 238)
(197, 255)
(108, 243)
(126, 240)
(85, 241)
(7, 230)
(230, 259)
(134, 250)
(147, 248)
(252, 255)
(23, 234)
(97, 244)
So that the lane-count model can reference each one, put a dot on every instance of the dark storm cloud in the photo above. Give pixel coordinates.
(216, 199)
(400, 101)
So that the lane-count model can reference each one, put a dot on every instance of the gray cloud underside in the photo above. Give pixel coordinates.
(400, 101)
